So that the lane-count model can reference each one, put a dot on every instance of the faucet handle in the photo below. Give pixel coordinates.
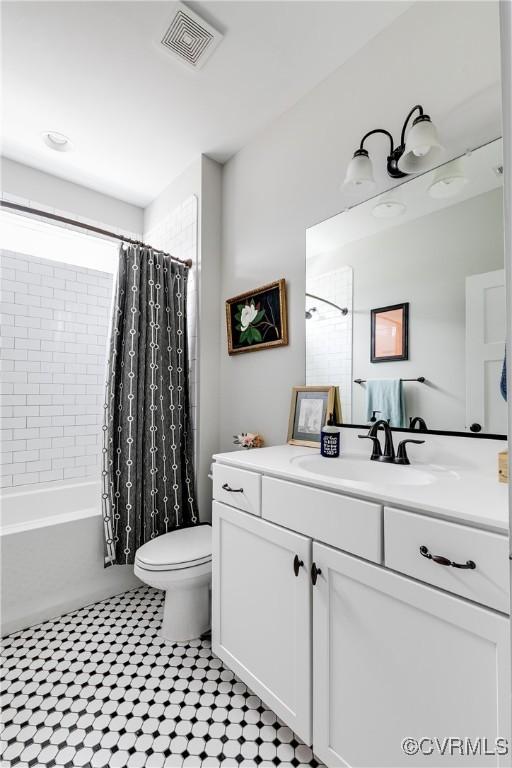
(377, 450)
(401, 454)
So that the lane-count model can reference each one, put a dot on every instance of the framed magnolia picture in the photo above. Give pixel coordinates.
(310, 408)
(257, 319)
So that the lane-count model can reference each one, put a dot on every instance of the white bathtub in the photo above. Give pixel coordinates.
(51, 540)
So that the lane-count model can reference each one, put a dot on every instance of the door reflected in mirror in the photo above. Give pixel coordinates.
(424, 289)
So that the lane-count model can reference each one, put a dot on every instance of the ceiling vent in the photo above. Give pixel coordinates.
(189, 38)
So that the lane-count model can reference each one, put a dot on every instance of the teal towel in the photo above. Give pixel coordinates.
(386, 396)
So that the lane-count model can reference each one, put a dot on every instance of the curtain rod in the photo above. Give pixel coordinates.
(89, 228)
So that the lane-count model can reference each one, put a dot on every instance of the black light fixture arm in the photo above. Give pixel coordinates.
(416, 114)
(406, 121)
(377, 130)
(394, 152)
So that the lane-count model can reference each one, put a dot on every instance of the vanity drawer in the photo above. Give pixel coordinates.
(487, 583)
(340, 521)
(237, 487)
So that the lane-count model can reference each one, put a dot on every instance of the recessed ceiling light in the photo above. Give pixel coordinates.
(57, 141)
(388, 209)
(447, 187)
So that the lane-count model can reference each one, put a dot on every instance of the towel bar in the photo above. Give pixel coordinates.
(421, 380)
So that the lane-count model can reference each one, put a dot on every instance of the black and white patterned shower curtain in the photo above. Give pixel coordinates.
(148, 475)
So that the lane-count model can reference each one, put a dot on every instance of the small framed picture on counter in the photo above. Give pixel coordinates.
(310, 408)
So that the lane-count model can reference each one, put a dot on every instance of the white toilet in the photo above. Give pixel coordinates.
(181, 564)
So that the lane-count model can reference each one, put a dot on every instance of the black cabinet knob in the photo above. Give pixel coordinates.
(315, 573)
(297, 564)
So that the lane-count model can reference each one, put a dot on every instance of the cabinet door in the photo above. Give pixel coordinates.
(393, 658)
(261, 622)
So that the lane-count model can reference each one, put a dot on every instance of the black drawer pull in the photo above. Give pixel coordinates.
(440, 560)
(315, 573)
(227, 488)
(297, 564)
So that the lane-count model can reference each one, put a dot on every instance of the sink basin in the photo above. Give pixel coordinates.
(362, 471)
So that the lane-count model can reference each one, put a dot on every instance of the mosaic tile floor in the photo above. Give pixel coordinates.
(98, 687)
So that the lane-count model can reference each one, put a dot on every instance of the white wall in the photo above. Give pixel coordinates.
(425, 262)
(55, 321)
(183, 186)
(209, 331)
(26, 185)
(444, 55)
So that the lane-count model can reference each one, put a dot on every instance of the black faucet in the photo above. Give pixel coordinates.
(389, 449)
(401, 454)
(418, 423)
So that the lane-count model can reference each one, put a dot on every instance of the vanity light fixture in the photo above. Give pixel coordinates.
(448, 180)
(415, 153)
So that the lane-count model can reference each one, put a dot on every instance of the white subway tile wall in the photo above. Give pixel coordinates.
(177, 234)
(54, 327)
(329, 335)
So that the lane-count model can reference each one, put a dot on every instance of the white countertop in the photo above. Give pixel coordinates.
(457, 491)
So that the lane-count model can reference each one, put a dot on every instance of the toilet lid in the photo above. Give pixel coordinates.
(183, 548)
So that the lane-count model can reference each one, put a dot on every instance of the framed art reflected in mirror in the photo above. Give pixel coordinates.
(389, 333)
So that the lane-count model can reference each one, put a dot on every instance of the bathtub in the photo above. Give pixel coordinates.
(51, 543)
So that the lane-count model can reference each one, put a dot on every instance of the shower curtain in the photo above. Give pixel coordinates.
(148, 475)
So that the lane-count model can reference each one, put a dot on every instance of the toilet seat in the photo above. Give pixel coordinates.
(176, 551)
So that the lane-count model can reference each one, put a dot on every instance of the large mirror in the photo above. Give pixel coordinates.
(405, 301)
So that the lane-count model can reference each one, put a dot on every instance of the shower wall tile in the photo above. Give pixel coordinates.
(329, 335)
(54, 327)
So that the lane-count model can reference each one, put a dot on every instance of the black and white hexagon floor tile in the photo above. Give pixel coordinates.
(98, 687)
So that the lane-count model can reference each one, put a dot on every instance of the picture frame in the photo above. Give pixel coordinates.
(390, 333)
(309, 410)
(257, 319)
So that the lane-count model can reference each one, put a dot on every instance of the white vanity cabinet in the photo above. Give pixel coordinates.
(394, 658)
(261, 611)
(329, 612)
